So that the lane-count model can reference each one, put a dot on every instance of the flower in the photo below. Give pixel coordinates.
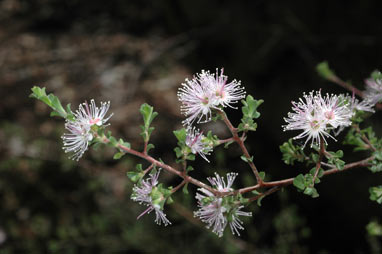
(217, 212)
(308, 118)
(91, 114)
(373, 92)
(197, 99)
(334, 109)
(206, 92)
(355, 104)
(77, 141)
(80, 133)
(148, 194)
(194, 140)
(225, 94)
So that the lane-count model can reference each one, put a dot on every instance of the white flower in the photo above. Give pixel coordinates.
(206, 92)
(194, 140)
(309, 118)
(77, 141)
(217, 212)
(363, 105)
(334, 109)
(219, 183)
(235, 222)
(373, 91)
(143, 194)
(80, 133)
(197, 100)
(225, 94)
(91, 114)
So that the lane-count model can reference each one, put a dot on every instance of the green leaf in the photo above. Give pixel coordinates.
(374, 228)
(376, 194)
(112, 141)
(148, 115)
(255, 192)
(51, 100)
(324, 70)
(311, 191)
(291, 153)
(376, 166)
(378, 155)
(250, 106)
(181, 135)
(150, 146)
(262, 175)
(244, 158)
(259, 200)
(185, 190)
(134, 176)
(118, 156)
(250, 113)
(376, 75)
(299, 182)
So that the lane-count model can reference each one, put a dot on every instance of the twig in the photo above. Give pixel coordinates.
(240, 142)
(179, 186)
(318, 164)
(289, 181)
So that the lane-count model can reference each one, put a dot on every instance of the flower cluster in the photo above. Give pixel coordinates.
(373, 92)
(147, 193)
(80, 132)
(206, 92)
(318, 115)
(217, 212)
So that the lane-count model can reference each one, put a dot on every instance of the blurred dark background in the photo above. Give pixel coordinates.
(130, 52)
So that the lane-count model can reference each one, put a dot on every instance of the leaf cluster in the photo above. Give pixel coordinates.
(148, 115)
(292, 153)
(304, 183)
(250, 113)
(53, 102)
(376, 194)
(334, 158)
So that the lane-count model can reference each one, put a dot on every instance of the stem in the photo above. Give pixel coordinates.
(223, 141)
(346, 85)
(179, 186)
(351, 88)
(268, 192)
(288, 181)
(240, 142)
(145, 147)
(148, 169)
(318, 164)
(166, 167)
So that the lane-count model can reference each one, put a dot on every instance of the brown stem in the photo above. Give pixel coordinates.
(179, 186)
(145, 147)
(288, 181)
(352, 89)
(166, 167)
(318, 164)
(346, 85)
(148, 169)
(268, 192)
(223, 141)
(240, 142)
